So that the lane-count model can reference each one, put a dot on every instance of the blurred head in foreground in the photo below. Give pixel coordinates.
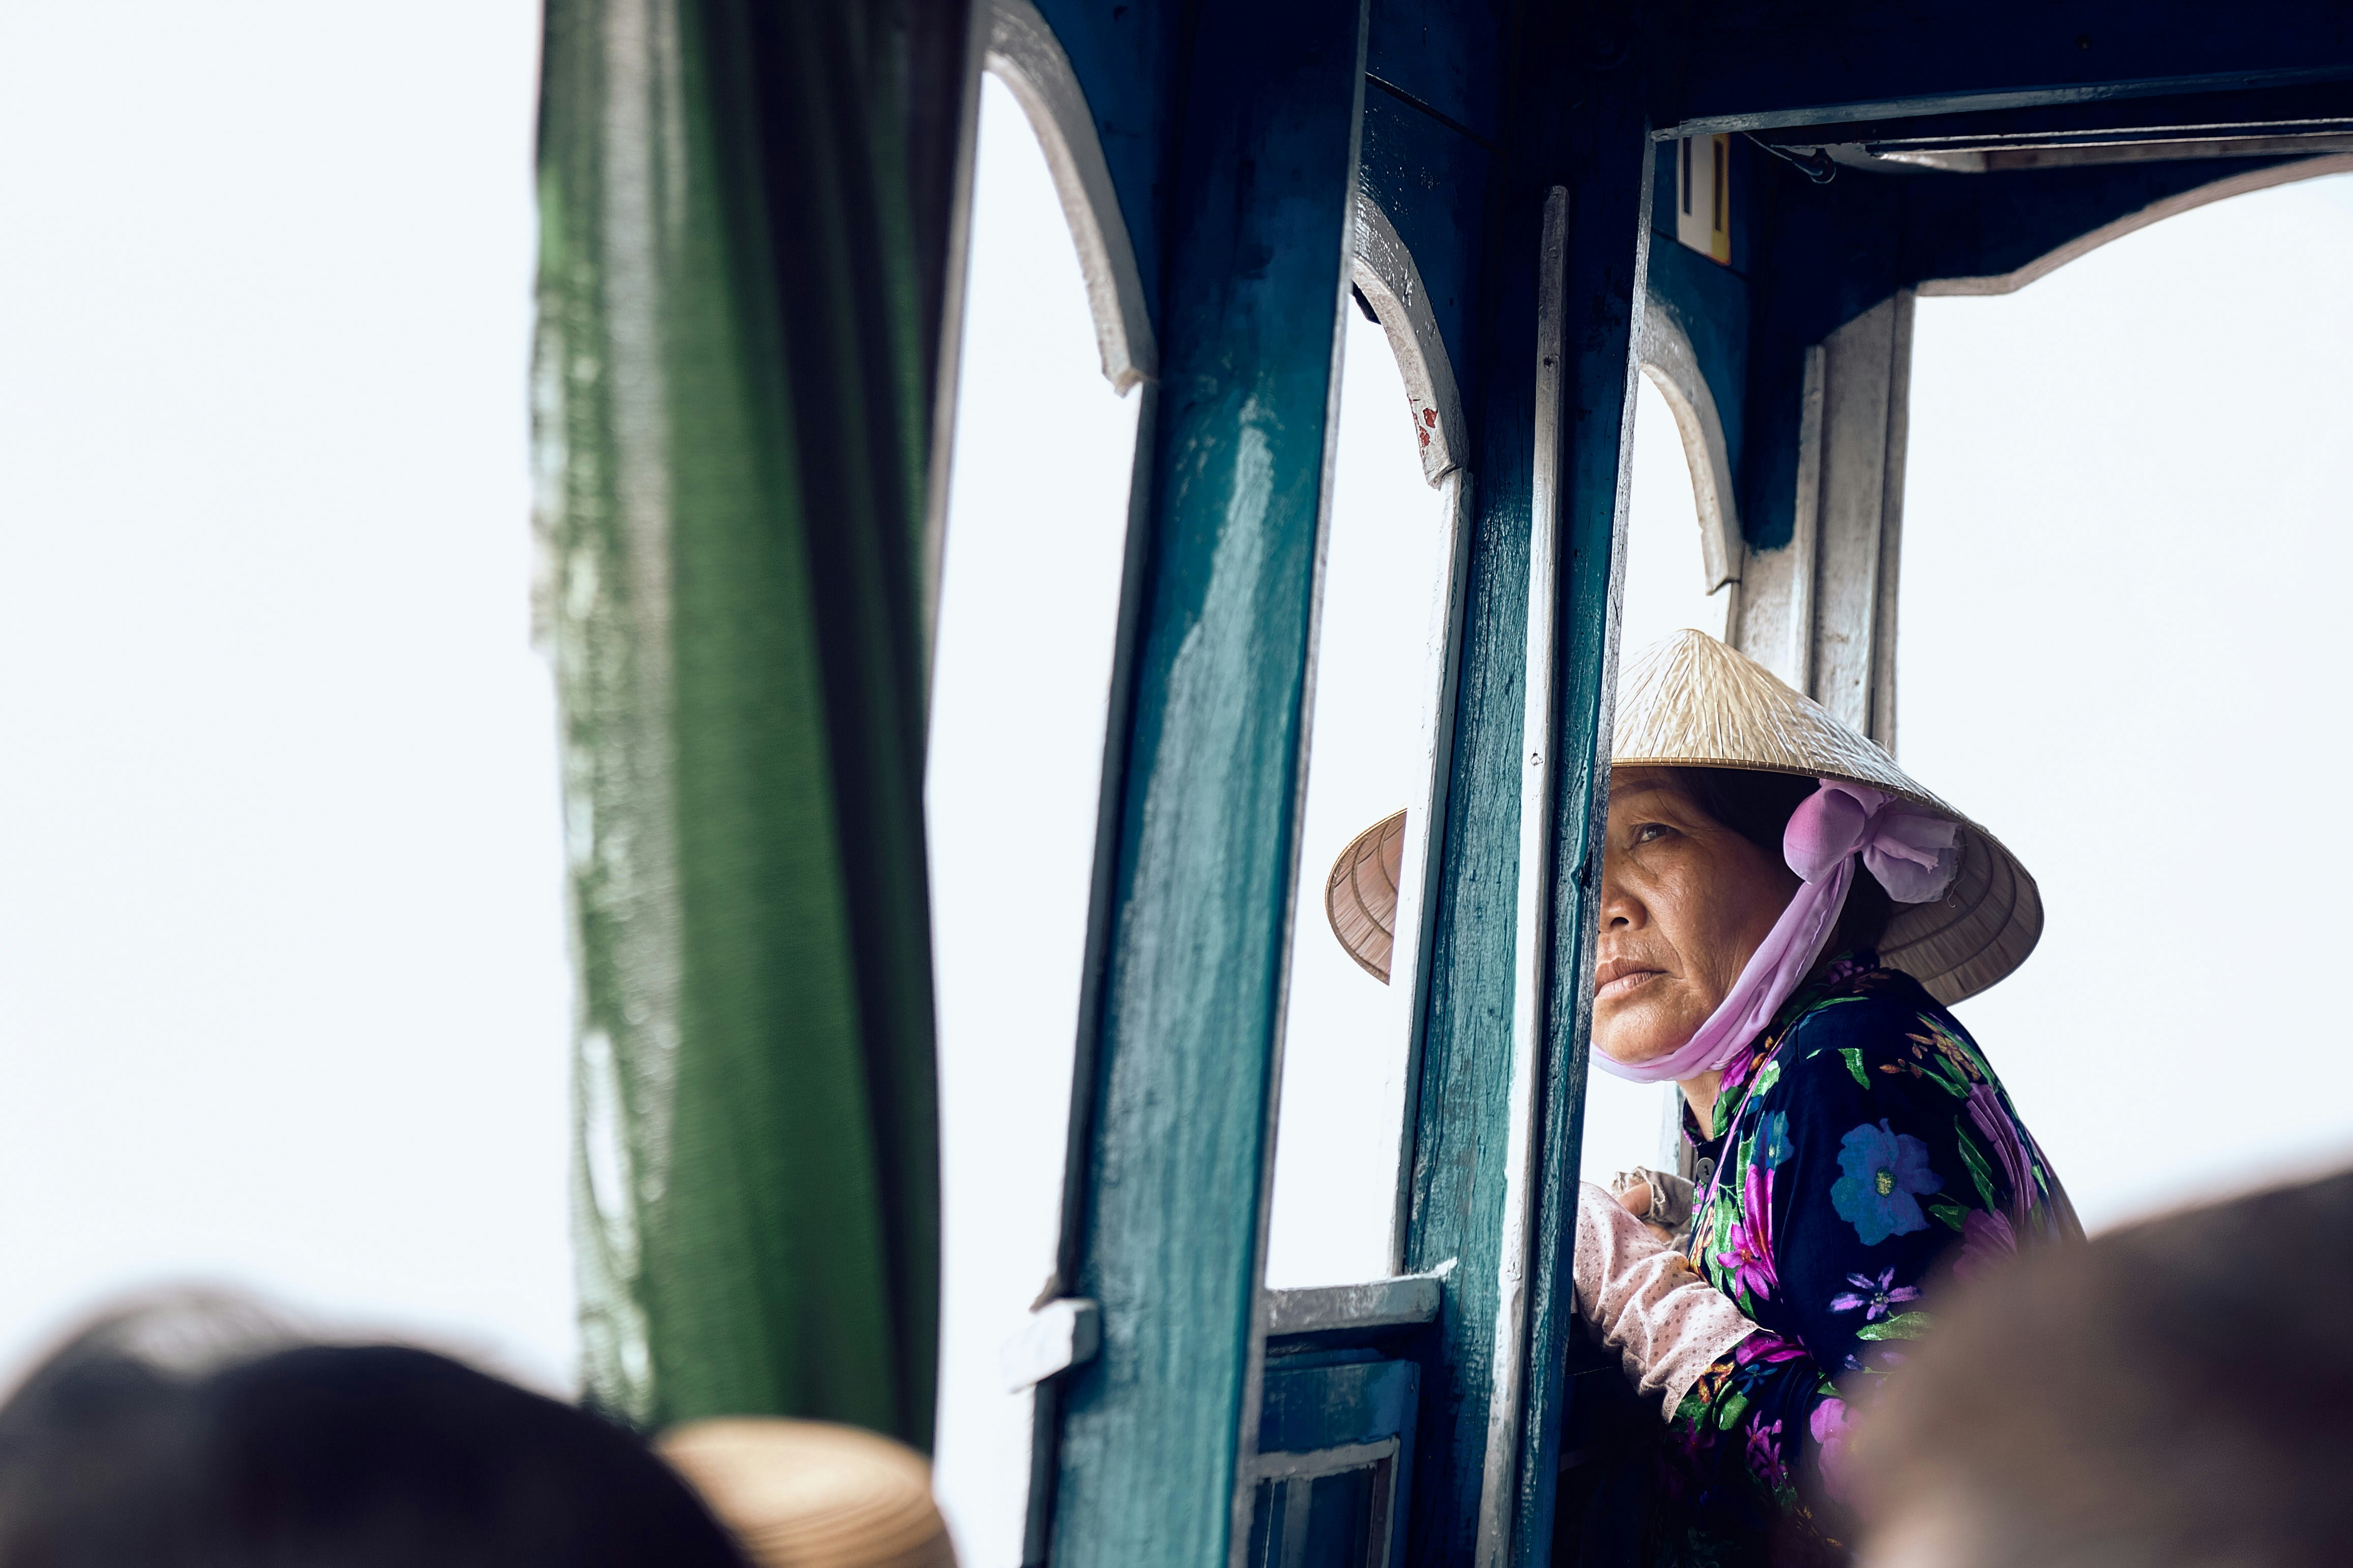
(2176, 1393)
(190, 1434)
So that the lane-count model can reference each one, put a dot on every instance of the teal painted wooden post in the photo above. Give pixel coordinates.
(1259, 220)
(1502, 1062)
(1455, 1214)
(1603, 269)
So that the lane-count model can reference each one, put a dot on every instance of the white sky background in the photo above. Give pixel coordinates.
(2128, 533)
(282, 985)
(1029, 598)
(282, 978)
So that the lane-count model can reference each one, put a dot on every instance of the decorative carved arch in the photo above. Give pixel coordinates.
(1674, 368)
(1385, 275)
(1024, 54)
(2156, 212)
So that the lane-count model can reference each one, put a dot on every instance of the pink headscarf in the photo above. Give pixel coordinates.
(1909, 850)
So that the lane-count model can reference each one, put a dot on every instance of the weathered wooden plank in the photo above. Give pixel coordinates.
(1856, 505)
(1880, 726)
(1258, 259)
(1409, 1298)
(1024, 53)
(1819, 612)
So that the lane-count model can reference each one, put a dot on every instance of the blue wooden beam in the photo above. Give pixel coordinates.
(1431, 180)
(1125, 57)
(1747, 64)
(2302, 109)
(1259, 241)
(1444, 57)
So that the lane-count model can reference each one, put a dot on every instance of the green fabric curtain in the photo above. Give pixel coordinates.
(743, 241)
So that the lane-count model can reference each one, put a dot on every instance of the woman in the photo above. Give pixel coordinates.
(1784, 919)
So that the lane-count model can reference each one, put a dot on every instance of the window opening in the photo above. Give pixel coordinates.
(1379, 665)
(2122, 644)
(1029, 606)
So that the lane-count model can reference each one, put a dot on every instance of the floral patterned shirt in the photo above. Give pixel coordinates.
(1862, 1152)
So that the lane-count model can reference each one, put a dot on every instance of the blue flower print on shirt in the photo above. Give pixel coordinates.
(1883, 1169)
(1773, 1147)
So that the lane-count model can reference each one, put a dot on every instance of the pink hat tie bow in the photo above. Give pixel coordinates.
(1910, 851)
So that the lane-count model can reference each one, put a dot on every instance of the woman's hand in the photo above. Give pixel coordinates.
(1637, 1199)
(1643, 1299)
(1662, 1202)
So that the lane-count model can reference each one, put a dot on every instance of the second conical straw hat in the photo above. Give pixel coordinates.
(1691, 702)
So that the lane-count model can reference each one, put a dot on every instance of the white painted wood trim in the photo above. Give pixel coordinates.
(1410, 949)
(1772, 616)
(1821, 612)
(1376, 1303)
(1385, 275)
(1860, 371)
(1023, 53)
(1674, 368)
(1882, 707)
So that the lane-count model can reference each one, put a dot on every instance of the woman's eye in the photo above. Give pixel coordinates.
(1648, 831)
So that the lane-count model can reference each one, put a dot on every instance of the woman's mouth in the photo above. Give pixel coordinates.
(1619, 978)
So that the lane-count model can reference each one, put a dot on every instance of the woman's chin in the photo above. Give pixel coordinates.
(1639, 1037)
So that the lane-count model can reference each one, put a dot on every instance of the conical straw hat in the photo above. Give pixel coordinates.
(1693, 703)
(1360, 897)
(810, 1494)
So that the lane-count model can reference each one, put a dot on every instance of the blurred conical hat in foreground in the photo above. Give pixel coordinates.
(810, 1494)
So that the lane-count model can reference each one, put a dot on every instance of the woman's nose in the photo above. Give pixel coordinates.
(1620, 908)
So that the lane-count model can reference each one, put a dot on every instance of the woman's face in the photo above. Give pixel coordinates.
(1684, 902)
